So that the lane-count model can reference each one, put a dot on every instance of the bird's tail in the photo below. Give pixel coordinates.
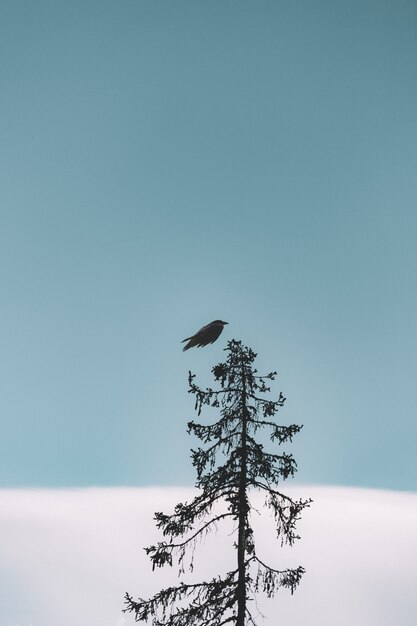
(188, 345)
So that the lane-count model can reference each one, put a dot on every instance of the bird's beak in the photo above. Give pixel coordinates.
(225, 322)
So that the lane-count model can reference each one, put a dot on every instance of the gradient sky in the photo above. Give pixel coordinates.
(164, 164)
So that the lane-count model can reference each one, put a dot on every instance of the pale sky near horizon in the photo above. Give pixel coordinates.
(165, 164)
(67, 556)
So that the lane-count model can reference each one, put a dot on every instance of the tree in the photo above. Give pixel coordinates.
(231, 464)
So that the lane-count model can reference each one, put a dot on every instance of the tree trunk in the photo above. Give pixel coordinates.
(241, 586)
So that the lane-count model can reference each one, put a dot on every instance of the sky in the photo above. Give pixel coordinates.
(164, 164)
(68, 556)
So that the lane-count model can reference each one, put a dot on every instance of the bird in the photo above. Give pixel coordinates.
(207, 334)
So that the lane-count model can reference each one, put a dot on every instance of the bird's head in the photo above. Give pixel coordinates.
(220, 322)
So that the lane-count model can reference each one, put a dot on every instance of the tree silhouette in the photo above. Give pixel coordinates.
(231, 464)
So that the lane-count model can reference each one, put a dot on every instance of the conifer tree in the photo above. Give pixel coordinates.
(230, 465)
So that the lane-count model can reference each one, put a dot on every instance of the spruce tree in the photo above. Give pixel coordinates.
(231, 464)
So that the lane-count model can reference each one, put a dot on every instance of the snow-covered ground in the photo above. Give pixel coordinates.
(68, 556)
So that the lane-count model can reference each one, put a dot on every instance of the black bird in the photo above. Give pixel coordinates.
(207, 334)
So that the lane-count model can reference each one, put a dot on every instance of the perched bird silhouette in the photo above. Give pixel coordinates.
(207, 334)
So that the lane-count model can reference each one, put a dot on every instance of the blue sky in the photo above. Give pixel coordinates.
(169, 163)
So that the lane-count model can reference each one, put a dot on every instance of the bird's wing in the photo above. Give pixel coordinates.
(214, 334)
(197, 334)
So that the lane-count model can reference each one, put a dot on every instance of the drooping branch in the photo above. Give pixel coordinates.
(208, 601)
(163, 552)
(269, 580)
